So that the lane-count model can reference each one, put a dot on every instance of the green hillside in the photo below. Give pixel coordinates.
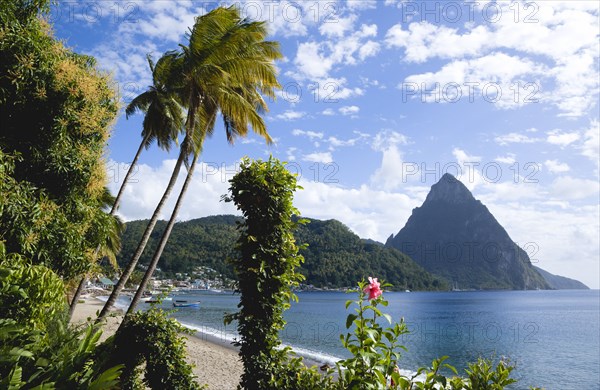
(335, 257)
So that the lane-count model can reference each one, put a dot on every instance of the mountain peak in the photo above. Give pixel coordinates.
(449, 190)
(456, 237)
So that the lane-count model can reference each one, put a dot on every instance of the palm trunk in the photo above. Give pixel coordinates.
(140, 249)
(113, 210)
(127, 176)
(76, 296)
(163, 240)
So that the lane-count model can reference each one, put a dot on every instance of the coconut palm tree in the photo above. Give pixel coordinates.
(162, 124)
(226, 68)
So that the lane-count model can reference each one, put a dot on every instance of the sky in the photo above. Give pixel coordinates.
(379, 99)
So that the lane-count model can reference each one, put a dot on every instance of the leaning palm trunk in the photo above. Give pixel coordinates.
(164, 238)
(113, 210)
(146, 236)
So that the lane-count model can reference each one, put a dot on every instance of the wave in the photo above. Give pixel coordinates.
(119, 304)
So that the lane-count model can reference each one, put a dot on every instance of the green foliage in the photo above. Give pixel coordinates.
(61, 358)
(483, 376)
(55, 110)
(154, 339)
(335, 257)
(375, 350)
(266, 267)
(375, 360)
(37, 347)
(31, 295)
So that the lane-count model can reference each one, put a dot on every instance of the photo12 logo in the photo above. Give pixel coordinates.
(471, 171)
(115, 12)
(491, 92)
(471, 331)
(468, 11)
(315, 172)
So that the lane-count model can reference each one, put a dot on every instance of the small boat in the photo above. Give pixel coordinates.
(186, 304)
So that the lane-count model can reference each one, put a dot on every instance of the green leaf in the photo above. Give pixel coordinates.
(350, 319)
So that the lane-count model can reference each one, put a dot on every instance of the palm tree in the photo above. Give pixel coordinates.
(163, 123)
(225, 68)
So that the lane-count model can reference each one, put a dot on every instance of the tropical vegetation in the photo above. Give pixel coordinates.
(334, 256)
(226, 68)
(56, 111)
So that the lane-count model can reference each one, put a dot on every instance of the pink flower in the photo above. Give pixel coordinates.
(373, 288)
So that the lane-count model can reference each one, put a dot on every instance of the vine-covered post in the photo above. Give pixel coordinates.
(268, 258)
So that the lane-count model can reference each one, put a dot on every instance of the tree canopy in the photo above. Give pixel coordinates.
(56, 112)
(335, 257)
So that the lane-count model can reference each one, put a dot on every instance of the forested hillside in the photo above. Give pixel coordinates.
(335, 257)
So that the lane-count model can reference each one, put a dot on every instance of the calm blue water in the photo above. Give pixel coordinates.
(552, 336)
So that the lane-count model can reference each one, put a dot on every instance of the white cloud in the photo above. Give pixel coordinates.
(310, 134)
(349, 110)
(388, 138)
(569, 188)
(291, 115)
(315, 60)
(332, 90)
(335, 142)
(385, 214)
(555, 166)
(508, 159)
(424, 40)
(556, 137)
(545, 242)
(311, 62)
(590, 147)
(463, 157)
(339, 27)
(319, 157)
(141, 196)
(328, 112)
(514, 138)
(491, 78)
(361, 4)
(369, 49)
(391, 173)
(290, 152)
(564, 36)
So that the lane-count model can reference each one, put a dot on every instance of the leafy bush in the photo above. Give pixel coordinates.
(37, 347)
(31, 295)
(153, 339)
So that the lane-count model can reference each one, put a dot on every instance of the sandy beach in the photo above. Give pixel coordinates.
(215, 364)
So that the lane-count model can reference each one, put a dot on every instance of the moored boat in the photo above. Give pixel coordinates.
(186, 304)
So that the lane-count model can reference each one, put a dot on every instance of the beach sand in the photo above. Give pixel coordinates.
(216, 364)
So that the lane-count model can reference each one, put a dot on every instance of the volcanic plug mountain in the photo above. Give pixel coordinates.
(455, 236)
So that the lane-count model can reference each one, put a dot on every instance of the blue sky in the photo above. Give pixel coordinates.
(380, 99)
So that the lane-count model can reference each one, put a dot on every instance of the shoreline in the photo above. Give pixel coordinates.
(216, 363)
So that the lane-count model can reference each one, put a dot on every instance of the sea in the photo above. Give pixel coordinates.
(552, 337)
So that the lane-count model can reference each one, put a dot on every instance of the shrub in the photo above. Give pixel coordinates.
(150, 343)
(376, 354)
(37, 346)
